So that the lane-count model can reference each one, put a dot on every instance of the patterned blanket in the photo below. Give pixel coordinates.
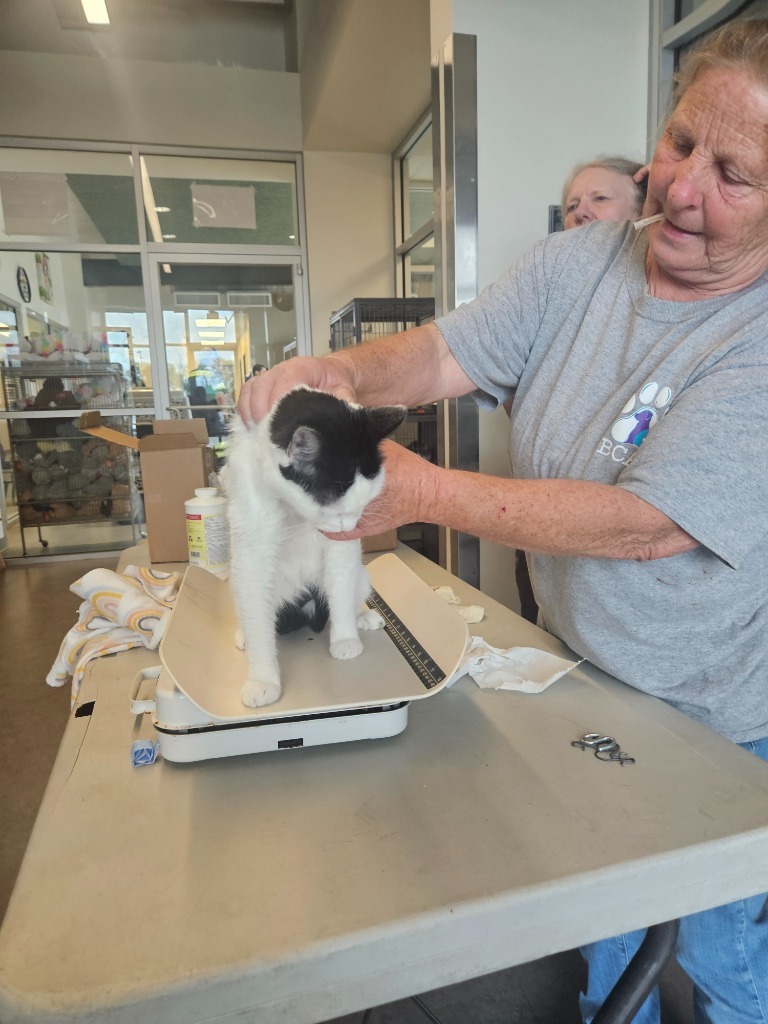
(119, 611)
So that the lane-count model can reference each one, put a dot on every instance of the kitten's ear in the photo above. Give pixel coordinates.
(384, 418)
(304, 447)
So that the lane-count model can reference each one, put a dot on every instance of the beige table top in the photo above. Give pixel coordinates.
(300, 885)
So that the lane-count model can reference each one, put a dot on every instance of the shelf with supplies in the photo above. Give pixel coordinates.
(62, 475)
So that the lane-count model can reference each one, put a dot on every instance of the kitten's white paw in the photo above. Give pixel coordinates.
(346, 649)
(369, 619)
(256, 694)
(239, 640)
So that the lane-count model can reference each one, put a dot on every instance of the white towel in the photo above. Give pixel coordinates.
(526, 669)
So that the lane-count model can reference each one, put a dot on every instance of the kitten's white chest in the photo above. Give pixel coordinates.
(301, 560)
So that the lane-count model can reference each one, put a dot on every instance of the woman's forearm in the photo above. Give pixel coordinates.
(556, 517)
(410, 368)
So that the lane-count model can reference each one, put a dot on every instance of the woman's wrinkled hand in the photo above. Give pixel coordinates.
(409, 485)
(260, 392)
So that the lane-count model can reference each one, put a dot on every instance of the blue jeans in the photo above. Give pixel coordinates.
(724, 952)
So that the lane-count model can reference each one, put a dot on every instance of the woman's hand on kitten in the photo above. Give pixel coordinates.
(409, 486)
(260, 392)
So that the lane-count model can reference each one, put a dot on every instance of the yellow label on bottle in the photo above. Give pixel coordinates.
(207, 540)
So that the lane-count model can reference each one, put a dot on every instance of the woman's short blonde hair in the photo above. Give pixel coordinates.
(620, 164)
(740, 45)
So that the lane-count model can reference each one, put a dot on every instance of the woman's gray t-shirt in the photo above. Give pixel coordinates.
(670, 401)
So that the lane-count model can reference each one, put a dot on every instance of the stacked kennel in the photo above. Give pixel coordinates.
(364, 320)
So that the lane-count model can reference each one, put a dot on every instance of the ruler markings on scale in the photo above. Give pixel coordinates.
(425, 667)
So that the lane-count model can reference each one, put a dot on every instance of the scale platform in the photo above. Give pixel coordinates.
(197, 711)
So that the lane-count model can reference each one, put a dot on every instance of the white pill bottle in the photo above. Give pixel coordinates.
(207, 532)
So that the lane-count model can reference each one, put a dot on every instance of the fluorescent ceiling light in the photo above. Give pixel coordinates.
(212, 339)
(162, 209)
(212, 321)
(96, 12)
(211, 334)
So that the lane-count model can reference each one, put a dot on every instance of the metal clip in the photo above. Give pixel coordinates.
(593, 740)
(605, 748)
(614, 755)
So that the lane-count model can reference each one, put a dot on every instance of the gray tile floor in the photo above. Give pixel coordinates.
(37, 610)
(544, 991)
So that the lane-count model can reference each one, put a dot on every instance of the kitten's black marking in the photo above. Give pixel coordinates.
(329, 442)
(309, 609)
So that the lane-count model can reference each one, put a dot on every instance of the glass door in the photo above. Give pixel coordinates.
(218, 320)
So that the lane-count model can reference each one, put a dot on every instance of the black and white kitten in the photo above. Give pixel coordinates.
(312, 464)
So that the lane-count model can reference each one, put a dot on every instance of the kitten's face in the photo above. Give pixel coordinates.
(328, 455)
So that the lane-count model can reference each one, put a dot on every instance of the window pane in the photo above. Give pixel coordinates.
(417, 184)
(220, 321)
(419, 268)
(686, 6)
(78, 308)
(9, 331)
(81, 328)
(220, 202)
(56, 196)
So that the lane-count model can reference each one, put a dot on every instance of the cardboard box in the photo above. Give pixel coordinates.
(386, 541)
(175, 459)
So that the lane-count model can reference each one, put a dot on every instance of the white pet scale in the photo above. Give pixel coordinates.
(196, 708)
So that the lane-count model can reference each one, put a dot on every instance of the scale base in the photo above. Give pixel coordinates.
(264, 734)
(186, 733)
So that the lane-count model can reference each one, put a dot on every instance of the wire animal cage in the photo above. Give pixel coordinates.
(61, 475)
(88, 385)
(365, 320)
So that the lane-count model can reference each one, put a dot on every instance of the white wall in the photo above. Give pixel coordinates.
(349, 232)
(365, 72)
(59, 96)
(558, 83)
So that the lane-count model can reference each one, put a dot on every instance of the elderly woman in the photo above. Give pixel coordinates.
(606, 188)
(603, 189)
(640, 487)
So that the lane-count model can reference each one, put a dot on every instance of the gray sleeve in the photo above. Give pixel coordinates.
(491, 337)
(705, 463)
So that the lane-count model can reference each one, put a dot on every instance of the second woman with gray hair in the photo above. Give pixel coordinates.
(606, 188)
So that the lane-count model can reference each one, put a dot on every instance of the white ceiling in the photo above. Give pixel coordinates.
(364, 64)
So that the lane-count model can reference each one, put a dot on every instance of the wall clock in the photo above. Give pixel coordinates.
(23, 282)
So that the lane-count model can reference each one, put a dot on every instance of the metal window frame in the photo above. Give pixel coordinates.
(454, 149)
(151, 253)
(666, 38)
(405, 244)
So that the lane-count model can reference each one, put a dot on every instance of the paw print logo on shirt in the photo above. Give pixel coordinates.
(640, 413)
